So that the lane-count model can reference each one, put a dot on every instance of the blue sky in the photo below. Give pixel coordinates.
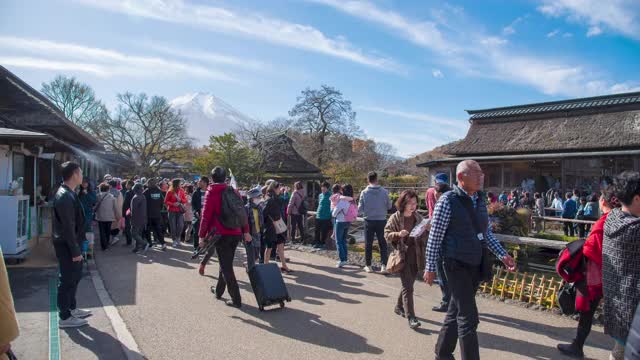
(410, 68)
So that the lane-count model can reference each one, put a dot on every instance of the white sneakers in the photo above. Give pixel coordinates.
(341, 264)
(383, 269)
(72, 322)
(114, 240)
(80, 314)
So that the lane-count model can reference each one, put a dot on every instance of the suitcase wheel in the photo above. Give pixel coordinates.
(261, 308)
(281, 304)
(289, 299)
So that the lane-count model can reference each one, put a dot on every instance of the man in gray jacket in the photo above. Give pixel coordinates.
(374, 205)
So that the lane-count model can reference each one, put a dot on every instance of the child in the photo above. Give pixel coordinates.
(256, 224)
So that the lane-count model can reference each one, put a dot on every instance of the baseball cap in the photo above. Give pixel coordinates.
(441, 178)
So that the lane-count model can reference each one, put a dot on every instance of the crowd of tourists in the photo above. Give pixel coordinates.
(450, 246)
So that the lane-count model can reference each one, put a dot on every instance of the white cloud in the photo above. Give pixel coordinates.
(206, 56)
(511, 28)
(437, 73)
(452, 128)
(256, 26)
(553, 33)
(51, 55)
(594, 31)
(467, 49)
(567, 35)
(618, 15)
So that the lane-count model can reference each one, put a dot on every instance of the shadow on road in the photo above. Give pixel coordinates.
(309, 328)
(102, 344)
(561, 334)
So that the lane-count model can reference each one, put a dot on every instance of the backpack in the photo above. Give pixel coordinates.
(232, 211)
(352, 213)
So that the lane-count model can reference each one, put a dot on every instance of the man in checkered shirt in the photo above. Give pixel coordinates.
(459, 232)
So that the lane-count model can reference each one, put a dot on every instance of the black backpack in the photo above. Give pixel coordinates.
(232, 212)
(302, 210)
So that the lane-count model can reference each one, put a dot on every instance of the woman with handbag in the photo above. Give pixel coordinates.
(275, 228)
(176, 201)
(587, 303)
(404, 259)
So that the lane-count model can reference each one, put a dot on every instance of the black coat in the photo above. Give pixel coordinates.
(68, 220)
(155, 202)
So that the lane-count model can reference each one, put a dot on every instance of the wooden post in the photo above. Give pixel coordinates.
(524, 279)
(532, 288)
(542, 286)
(515, 285)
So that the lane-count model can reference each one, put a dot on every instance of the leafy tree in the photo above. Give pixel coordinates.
(76, 100)
(228, 152)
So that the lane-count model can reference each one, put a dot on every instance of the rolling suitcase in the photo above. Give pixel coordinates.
(268, 285)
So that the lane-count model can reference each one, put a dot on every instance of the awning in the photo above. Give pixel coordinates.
(542, 156)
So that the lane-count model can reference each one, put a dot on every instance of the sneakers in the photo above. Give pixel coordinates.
(233, 304)
(72, 322)
(341, 264)
(201, 269)
(145, 249)
(441, 308)
(368, 269)
(114, 240)
(383, 269)
(399, 311)
(80, 314)
(163, 247)
(414, 323)
(571, 350)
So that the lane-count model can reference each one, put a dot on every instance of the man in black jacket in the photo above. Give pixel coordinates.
(126, 205)
(68, 236)
(155, 202)
(196, 205)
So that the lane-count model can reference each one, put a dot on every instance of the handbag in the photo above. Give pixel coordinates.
(395, 262)
(279, 225)
(567, 299)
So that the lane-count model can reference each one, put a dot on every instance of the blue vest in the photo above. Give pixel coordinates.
(461, 240)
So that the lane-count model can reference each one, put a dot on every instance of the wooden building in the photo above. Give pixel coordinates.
(561, 144)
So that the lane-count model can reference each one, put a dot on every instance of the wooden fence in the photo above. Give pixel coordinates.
(529, 288)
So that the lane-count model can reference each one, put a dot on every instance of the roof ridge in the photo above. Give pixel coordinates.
(560, 102)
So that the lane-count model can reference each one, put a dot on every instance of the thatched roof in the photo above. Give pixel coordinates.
(24, 108)
(601, 123)
(282, 158)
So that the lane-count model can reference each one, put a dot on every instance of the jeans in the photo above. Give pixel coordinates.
(569, 229)
(155, 226)
(405, 298)
(127, 229)
(176, 225)
(342, 233)
(136, 235)
(584, 324)
(70, 274)
(322, 231)
(371, 228)
(442, 280)
(226, 248)
(105, 233)
(297, 223)
(462, 319)
(194, 234)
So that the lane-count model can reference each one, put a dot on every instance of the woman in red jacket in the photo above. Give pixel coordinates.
(176, 201)
(592, 251)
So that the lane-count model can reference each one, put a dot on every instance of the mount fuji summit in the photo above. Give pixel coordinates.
(207, 115)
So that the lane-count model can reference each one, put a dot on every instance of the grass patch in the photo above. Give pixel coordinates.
(359, 248)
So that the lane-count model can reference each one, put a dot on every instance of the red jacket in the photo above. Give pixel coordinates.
(172, 198)
(211, 213)
(592, 250)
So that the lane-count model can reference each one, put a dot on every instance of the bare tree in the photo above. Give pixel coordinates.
(144, 129)
(323, 112)
(76, 100)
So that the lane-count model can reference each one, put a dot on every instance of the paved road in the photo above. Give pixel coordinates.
(345, 314)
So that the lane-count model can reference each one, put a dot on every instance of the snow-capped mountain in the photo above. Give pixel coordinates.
(207, 115)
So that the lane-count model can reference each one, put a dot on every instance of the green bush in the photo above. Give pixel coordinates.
(509, 221)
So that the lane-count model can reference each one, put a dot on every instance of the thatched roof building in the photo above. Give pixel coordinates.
(285, 164)
(564, 144)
